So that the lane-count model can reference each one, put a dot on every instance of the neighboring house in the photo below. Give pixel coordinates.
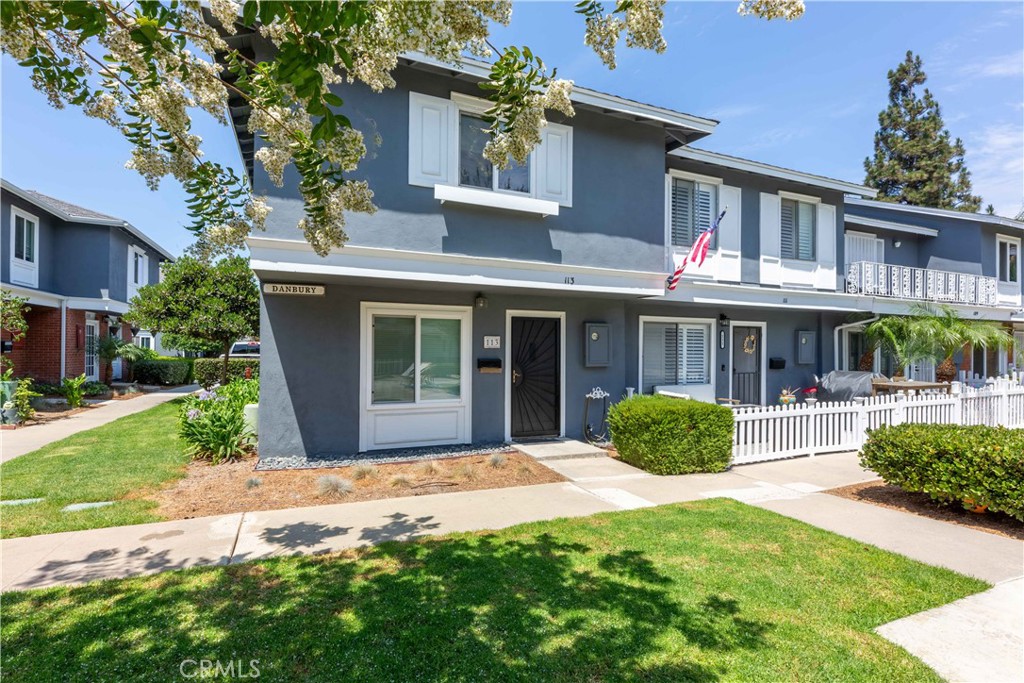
(78, 269)
(479, 305)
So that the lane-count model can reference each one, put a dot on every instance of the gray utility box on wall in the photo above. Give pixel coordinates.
(597, 345)
(806, 347)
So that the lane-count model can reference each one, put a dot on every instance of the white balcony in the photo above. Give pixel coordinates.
(867, 278)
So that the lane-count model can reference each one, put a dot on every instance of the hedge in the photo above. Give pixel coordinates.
(207, 370)
(672, 436)
(163, 371)
(952, 463)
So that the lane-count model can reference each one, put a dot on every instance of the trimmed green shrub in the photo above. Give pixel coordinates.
(73, 389)
(207, 370)
(94, 388)
(170, 371)
(952, 463)
(666, 435)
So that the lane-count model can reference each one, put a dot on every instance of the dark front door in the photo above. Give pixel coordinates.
(746, 364)
(536, 377)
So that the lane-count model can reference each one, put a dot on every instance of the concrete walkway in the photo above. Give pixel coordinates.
(596, 484)
(15, 442)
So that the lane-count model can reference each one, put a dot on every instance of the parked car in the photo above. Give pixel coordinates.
(244, 349)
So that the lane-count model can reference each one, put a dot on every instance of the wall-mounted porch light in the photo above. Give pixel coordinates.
(480, 301)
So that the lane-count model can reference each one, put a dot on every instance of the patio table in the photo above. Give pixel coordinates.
(906, 385)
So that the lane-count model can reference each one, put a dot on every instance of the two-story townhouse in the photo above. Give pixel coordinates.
(78, 269)
(897, 255)
(479, 305)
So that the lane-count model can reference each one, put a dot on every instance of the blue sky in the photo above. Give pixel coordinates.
(804, 94)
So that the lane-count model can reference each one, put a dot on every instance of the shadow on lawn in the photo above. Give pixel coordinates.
(468, 608)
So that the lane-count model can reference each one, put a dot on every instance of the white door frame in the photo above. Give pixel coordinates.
(764, 354)
(96, 364)
(520, 313)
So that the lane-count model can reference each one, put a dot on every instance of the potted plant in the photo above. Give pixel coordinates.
(9, 413)
(787, 396)
(811, 395)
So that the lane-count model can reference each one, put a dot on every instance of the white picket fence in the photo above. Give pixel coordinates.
(776, 432)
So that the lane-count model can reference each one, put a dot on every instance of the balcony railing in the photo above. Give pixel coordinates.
(923, 284)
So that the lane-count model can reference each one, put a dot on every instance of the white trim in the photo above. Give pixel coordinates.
(524, 313)
(928, 211)
(92, 323)
(795, 196)
(23, 267)
(111, 305)
(495, 199)
(695, 177)
(712, 347)
(849, 218)
(291, 256)
(470, 104)
(736, 163)
(63, 337)
(461, 408)
(763, 350)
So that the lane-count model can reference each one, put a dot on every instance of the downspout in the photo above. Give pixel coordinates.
(840, 328)
(63, 337)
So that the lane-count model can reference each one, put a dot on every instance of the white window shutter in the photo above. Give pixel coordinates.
(771, 265)
(729, 228)
(553, 159)
(682, 213)
(144, 276)
(826, 225)
(695, 354)
(431, 142)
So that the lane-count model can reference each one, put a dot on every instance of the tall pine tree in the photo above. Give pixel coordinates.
(915, 160)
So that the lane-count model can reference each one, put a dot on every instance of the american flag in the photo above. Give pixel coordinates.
(698, 252)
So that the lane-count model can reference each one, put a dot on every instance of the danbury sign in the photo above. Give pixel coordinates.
(285, 288)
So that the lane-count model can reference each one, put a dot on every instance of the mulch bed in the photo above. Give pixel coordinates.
(222, 489)
(893, 497)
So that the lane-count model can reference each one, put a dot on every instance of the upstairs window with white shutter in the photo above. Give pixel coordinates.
(694, 206)
(675, 354)
(797, 236)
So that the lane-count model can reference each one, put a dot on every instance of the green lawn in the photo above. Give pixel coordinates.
(706, 591)
(106, 463)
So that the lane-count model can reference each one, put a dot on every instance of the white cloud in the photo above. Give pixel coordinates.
(733, 111)
(995, 157)
(995, 67)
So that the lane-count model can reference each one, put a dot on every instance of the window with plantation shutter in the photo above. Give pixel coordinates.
(675, 354)
(797, 234)
(694, 206)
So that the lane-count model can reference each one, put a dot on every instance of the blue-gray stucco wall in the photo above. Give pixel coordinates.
(616, 221)
(309, 403)
(44, 245)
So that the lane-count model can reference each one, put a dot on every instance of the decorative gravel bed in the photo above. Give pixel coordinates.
(396, 455)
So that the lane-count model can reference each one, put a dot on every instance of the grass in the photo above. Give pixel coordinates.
(109, 462)
(705, 591)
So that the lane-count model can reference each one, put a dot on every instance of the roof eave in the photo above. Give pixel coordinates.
(943, 213)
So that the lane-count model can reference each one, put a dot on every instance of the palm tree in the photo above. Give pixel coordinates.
(902, 336)
(934, 333)
(948, 333)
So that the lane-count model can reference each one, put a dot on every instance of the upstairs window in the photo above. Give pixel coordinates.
(694, 206)
(675, 354)
(476, 171)
(24, 239)
(24, 248)
(1008, 266)
(138, 270)
(798, 230)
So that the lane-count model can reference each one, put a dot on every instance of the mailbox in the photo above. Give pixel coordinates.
(776, 363)
(597, 345)
(488, 366)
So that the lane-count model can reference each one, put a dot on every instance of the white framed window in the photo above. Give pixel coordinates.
(446, 142)
(138, 270)
(675, 352)
(798, 229)
(24, 248)
(693, 207)
(144, 340)
(1008, 260)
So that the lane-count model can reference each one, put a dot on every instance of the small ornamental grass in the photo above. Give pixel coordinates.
(666, 435)
(360, 472)
(213, 425)
(400, 481)
(498, 460)
(333, 485)
(952, 463)
(252, 483)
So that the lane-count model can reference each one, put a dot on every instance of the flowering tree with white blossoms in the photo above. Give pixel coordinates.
(145, 67)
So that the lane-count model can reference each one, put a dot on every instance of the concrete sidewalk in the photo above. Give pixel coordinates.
(15, 442)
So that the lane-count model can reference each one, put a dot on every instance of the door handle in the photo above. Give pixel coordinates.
(515, 376)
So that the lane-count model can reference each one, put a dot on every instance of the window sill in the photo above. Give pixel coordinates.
(495, 200)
